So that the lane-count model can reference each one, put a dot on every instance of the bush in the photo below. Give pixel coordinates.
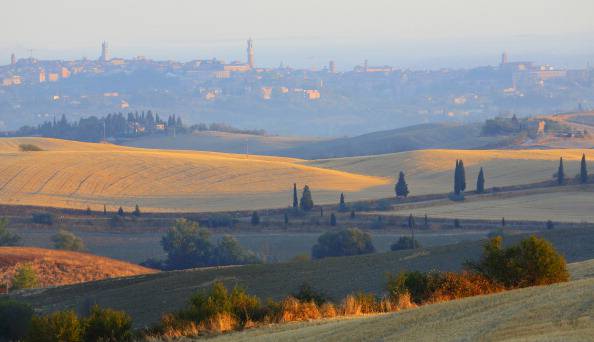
(15, 320)
(57, 327)
(43, 218)
(25, 278)
(420, 286)
(29, 148)
(7, 238)
(341, 243)
(460, 285)
(534, 261)
(68, 241)
(307, 293)
(107, 325)
(229, 252)
(404, 242)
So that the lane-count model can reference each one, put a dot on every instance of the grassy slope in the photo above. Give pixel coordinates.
(55, 267)
(221, 142)
(74, 174)
(561, 312)
(570, 205)
(146, 297)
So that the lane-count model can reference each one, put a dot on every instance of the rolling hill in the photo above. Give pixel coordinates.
(77, 175)
(56, 267)
(560, 312)
(147, 297)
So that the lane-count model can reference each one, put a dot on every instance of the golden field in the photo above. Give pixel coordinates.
(432, 171)
(77, 175)
(56, 267)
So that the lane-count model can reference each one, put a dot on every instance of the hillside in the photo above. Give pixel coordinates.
(221, 142)
(76, 174)
(560, 312)
(424, 136)
(56, 267)
(431, 171)
(147, 297)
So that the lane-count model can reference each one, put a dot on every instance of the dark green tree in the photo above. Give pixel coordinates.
(561, 173)
(306, 203)
(503, 221)
(104, 209)
(255, 218)
(187, 245)
(7, 238)
(286, 219)
(321, 211)
(342, 243)
(457, 178)
(411, 226)
(121, 212)
(401, 187)
(229, 252)
(480, 182)
(462, 176)
(136, 211)
(404, 242)
(342, 205)
(352, 213)
(295, 198)
(332, 220)
(583, 170)
(66, 240)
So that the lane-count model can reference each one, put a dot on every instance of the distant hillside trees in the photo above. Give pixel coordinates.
(502, 126)
(560, 173)
(7, 238)
(401, 187)
(344, 242)
(66, 240)
(583, 170)
(459, 178)
(188, 246)
(404, 242)
(341, 204)
(306, 202)
(480, 182)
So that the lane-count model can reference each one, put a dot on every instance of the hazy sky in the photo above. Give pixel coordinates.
(307, 32)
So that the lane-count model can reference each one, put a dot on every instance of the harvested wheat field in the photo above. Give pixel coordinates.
(432, 171)
(561, 312)
(77, 175)
(55, 267)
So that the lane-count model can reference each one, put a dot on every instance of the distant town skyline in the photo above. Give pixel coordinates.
(422, 34)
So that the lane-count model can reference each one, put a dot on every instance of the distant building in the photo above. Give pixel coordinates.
(13, 80)
(13, 59)
(53, 76)
(41, 76)
(250, 53)
(266, 93)
(104, 52)
(332, 67)
(65, 73)
(504, 59)
(312, 94)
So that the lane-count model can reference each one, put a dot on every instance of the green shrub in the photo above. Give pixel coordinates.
(420, 286)
(29, 148)
(68, 241)
(107, 325)
(534, 261)
(344, 242)
(60, 326)
(307, 293)
(404, 242)
(25, 278)
(15, 320)
(7, 238)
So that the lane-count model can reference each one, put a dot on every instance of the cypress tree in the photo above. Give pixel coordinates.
(255, 218)
(401, 187)
(353, 214)
(136, 211)
(342, 204)
(295, 199)
(426, 221)
(286, 219)
(462, 176)
(332, 220)
(104, 209)
(560, 173)
(121, 211)
(306, 203)
(480, 182)
(503, 221)
(583, 170)
(411, 225)
(457, 178)
(321, 211)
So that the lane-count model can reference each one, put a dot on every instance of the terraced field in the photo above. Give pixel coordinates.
(77, 175)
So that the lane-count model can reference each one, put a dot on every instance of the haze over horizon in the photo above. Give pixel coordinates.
(423, 34)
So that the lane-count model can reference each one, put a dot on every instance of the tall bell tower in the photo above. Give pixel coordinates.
(250, 53)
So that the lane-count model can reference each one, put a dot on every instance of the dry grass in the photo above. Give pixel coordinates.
(561, 312)
(565, 206)
(54, 267)
(75, 174)
(431, 171)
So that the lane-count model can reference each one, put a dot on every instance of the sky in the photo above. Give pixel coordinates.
(305, 33)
